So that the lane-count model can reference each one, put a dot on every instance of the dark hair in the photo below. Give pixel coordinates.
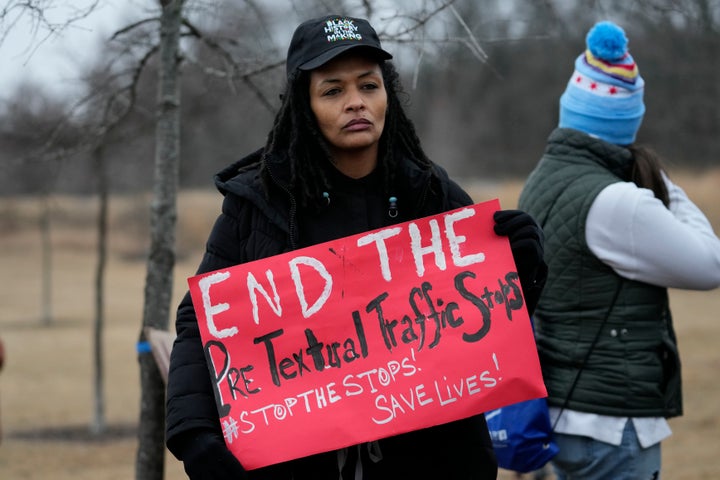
(646, 172)
(296, 138)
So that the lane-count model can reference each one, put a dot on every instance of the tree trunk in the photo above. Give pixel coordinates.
(150, 459)
(98, 423)
(46, 269)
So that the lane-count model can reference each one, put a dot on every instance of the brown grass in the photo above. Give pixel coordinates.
(46, 397)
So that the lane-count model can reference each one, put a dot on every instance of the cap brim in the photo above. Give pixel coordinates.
(325, 57)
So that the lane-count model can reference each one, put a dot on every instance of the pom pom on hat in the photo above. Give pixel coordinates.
(607, 58)
(604, 96)
(607, 41)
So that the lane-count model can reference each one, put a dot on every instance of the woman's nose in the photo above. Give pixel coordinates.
(355, 100)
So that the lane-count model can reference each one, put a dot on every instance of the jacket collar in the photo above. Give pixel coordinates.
(242, 178)
(616, 158)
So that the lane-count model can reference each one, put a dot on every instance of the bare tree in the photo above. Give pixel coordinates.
(41, 146)
(105, 107)
(46, 268)
(159, 278)
(98, 424)
(41, 25)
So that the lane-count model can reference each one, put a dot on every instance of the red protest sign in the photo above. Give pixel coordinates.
(367, 336)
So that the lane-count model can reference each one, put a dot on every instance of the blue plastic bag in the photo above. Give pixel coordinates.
(522, 435)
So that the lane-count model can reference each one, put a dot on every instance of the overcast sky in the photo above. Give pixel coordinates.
(30, 53)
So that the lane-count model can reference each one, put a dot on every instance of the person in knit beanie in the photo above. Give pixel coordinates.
(618, 234)
(604, 96)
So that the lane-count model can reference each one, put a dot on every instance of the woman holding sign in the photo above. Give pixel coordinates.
(342, 158)
(620, 233)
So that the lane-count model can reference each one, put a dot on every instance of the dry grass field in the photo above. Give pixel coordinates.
(46, 394)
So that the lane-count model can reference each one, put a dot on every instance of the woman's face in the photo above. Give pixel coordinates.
(348, 98)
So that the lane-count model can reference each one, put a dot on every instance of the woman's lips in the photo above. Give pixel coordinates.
(357, 124)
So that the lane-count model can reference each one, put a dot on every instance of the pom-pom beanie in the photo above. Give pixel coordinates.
(604, 96)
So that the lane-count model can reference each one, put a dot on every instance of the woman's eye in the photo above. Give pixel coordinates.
(370, 86)
(331, 92)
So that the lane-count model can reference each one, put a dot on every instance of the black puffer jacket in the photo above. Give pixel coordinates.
(254, 225)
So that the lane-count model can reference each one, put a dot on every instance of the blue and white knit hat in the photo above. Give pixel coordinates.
(604, 96)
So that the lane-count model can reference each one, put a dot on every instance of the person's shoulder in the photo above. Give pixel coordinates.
(240, 175)
(626, 201)
(623, 192)
(455, 193)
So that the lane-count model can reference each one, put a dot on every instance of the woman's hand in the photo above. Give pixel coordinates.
(206, 457)
(526, 242)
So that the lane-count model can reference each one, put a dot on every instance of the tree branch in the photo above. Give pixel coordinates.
(232, 67)
(133, 26)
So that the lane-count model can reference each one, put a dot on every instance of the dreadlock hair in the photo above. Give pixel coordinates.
(399, 138)
(296, 138)
(647, 172)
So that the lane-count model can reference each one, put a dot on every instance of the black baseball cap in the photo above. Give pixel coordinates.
(319, 40)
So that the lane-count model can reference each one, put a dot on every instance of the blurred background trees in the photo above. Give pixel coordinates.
(483, 118)
(483, 81)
